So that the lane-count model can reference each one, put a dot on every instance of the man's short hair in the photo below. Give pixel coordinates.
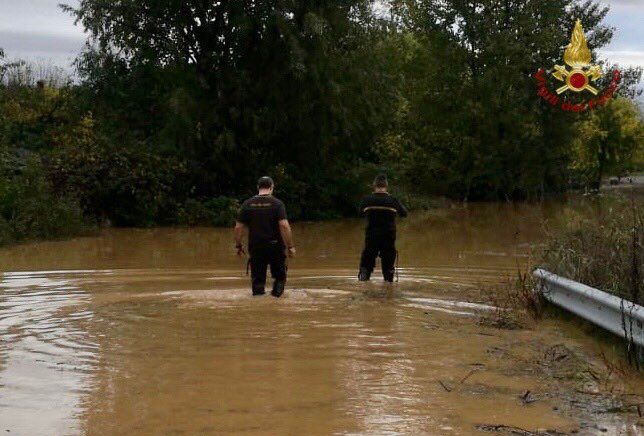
(265, 183)
(380, 181)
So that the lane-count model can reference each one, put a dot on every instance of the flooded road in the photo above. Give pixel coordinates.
(155, 332)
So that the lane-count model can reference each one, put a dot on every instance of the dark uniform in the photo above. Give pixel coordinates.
(262, 214)
(380, 209)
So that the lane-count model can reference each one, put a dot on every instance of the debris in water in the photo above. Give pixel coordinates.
(517, 430)
(447, 388)
(528, 398)
(469, 374)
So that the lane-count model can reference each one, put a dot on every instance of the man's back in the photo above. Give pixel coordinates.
(269, 233)
(262, 214)
(381, 209)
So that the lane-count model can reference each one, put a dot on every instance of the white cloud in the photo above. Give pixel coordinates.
(39, 30)
(624, 57)
(617, 4)
(37, 16)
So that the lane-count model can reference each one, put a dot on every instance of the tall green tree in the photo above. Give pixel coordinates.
(609, 141)
(242, 87)
(473, 115)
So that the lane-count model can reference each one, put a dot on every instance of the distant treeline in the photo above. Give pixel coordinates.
(180, 105)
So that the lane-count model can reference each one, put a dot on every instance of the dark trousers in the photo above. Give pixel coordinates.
(261, 256)
(383, 246)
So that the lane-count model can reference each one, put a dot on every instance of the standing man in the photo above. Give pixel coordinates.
(380, 209)
(269, 237)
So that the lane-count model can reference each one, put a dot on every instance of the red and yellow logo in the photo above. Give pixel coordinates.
(578, 79)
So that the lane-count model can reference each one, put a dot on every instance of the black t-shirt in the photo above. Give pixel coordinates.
(262, 214)
(381, 209)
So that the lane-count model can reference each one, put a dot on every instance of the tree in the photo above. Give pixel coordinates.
(241, 88)
(609, 141)
(320, 93)
(3, 67)
(473, 117)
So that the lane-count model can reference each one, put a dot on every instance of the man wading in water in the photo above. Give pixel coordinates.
(269, 237)
(380, 209)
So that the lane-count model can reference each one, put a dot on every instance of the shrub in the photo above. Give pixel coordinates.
(6, 233)
(127, 185)
(220, 211)
(602, 250)
(29, 209)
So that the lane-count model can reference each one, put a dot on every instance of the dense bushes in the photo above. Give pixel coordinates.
(29, 209)
(220, 211)
(34, 118)
(125, 185)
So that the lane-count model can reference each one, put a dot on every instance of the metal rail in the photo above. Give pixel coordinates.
(617, 315)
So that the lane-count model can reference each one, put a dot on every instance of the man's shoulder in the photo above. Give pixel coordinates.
(248, 201)
(261, 202)
(377, 198)
(394, 199)
(277, 201)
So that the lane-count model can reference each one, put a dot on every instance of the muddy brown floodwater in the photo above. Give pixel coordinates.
(155, 332)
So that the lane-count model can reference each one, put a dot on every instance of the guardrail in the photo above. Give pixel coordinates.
(617, 315)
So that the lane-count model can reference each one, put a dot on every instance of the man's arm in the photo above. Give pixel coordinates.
(287, 236)
(239, 231)
(402, 211)
(362, 206)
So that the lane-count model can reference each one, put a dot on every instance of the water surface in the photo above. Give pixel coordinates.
(155, 332)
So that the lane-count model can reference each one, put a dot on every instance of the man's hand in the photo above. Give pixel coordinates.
(290, 251)
(239, 230)
(287, 236)
(240, 251)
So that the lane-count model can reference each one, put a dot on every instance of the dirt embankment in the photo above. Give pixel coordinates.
(584, 371)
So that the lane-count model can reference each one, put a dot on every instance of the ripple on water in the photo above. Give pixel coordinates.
(45, 353)
(196, 342)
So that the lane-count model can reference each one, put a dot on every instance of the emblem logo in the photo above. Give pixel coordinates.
(579, 79)
(578, 57)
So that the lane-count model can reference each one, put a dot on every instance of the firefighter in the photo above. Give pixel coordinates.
(270, 239)
(381, 210)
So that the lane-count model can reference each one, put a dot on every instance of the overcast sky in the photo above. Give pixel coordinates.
(39, 30)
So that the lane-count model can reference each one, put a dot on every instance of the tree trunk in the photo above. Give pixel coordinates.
(601, 160)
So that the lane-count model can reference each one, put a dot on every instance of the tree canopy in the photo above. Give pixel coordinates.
(181, 105)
